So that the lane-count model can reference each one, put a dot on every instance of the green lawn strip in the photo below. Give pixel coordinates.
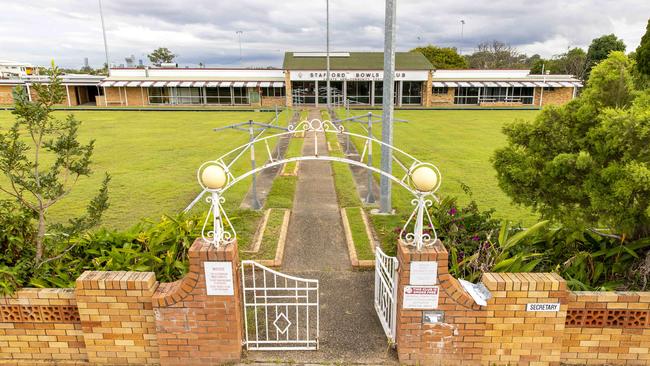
(282, 191)
(344, 183)
(293, 150)
(270, 237)
(359, 234)
(386, 227)
(245, 223)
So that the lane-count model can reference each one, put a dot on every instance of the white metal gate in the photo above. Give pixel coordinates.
(281, 312)
(386, 291)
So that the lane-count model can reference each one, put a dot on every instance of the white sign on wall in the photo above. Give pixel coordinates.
(421, 297)
(547, 307)
(423, 273)
(357, 75)
(218, 278)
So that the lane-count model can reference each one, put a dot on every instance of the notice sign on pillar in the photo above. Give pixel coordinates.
(421, 297)
(218, 278)
(423, 273)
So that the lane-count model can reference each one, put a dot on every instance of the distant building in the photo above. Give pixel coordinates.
(355, 78)
(13, 69)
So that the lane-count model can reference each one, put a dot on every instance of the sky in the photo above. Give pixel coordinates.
(205, 31)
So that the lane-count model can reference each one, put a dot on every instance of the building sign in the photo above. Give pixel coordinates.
(547, 307)
(218, 278)
(356, 75)
(423, 273)
(421, 297)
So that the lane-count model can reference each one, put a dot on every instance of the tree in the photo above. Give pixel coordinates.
(643, 53)
(573, 62)
(442, 57)
(42, 160)
(600, 48)
(496, 55)
(587, 163)
(161, 55)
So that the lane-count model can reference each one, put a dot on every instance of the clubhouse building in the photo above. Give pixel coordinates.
(355, 78)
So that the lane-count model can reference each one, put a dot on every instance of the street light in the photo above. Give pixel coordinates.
(425, 179)
(213, 177)
(387, 113)
(327, 21)
(239, 33)
(101, 16)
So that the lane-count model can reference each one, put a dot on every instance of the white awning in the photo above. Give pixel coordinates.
(185, 84)
(199, 84)
(567, 84)
(212, 84)
(437, 84)
(159, 84)
(173, 83)
(477, 84)
(554, 84)
(120, 84)
(541, 84)
(515, 83)
(225, 84)
(251, 84)
(577, 83)
(278, 84)
(146, 84)
(450, 84)
(265, 84)
(490, 84)
(464, 84)
(503, 84)
(133, 84)
(238, 84)
(529, 84)
(107, 84)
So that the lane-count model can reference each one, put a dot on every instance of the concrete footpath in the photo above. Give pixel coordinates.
(350, 332)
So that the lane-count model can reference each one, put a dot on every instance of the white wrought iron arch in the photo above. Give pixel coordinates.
(222, 235)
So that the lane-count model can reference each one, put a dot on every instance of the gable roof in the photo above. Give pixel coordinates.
(354, 61)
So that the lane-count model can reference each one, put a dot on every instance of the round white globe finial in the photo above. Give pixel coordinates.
(214, 177)
(424, 178)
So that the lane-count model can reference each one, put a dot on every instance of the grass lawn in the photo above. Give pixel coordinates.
(152, 158)
(270, 237)
(460, 143)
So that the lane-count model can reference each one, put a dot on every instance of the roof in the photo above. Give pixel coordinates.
(66, 79)
(497, 75)
(195, 74)
(355, 61)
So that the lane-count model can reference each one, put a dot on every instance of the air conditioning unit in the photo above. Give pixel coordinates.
(169, 64)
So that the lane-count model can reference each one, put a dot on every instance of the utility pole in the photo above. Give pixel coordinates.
(327, 20)
(101, 16)
(387, 113)
(239, 33)
(462, 28)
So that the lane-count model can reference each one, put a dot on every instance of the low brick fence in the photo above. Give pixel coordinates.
(115, 318)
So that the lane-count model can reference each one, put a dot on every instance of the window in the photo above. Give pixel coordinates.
(273, 92)
(159, 96)
(240, 95)
(358, 92)
(188, 95)
(411, 92)
(465, 95)
(218, 95)
(303, 92)
(440, 90)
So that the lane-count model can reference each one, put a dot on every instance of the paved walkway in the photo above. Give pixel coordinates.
(350, 332)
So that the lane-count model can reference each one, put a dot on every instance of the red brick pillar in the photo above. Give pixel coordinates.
(453, 341)
(194, 327)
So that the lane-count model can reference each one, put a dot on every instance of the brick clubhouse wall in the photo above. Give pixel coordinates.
(120, 318)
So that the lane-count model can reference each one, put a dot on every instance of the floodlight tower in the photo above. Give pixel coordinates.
(327, 20)
(101, 16)
(387, 113)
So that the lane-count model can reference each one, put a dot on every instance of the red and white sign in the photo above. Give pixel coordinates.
(421, 297)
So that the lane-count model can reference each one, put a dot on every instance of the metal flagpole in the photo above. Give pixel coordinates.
(387, 113)
(327, 7)
(101, 16)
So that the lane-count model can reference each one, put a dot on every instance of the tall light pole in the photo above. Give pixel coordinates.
(327, 20)
(387, 113)
(462, 26)
(101, 16)
(239, 33)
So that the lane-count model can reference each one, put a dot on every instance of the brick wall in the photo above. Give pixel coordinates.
(607, 328)
(273, 101)
(442, 99)
(117, 317)
(192, 327)
(6, 96)
(557, 96)
(40, 324)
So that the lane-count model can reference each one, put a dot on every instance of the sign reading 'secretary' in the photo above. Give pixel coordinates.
(550, 307)
(218, 278)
